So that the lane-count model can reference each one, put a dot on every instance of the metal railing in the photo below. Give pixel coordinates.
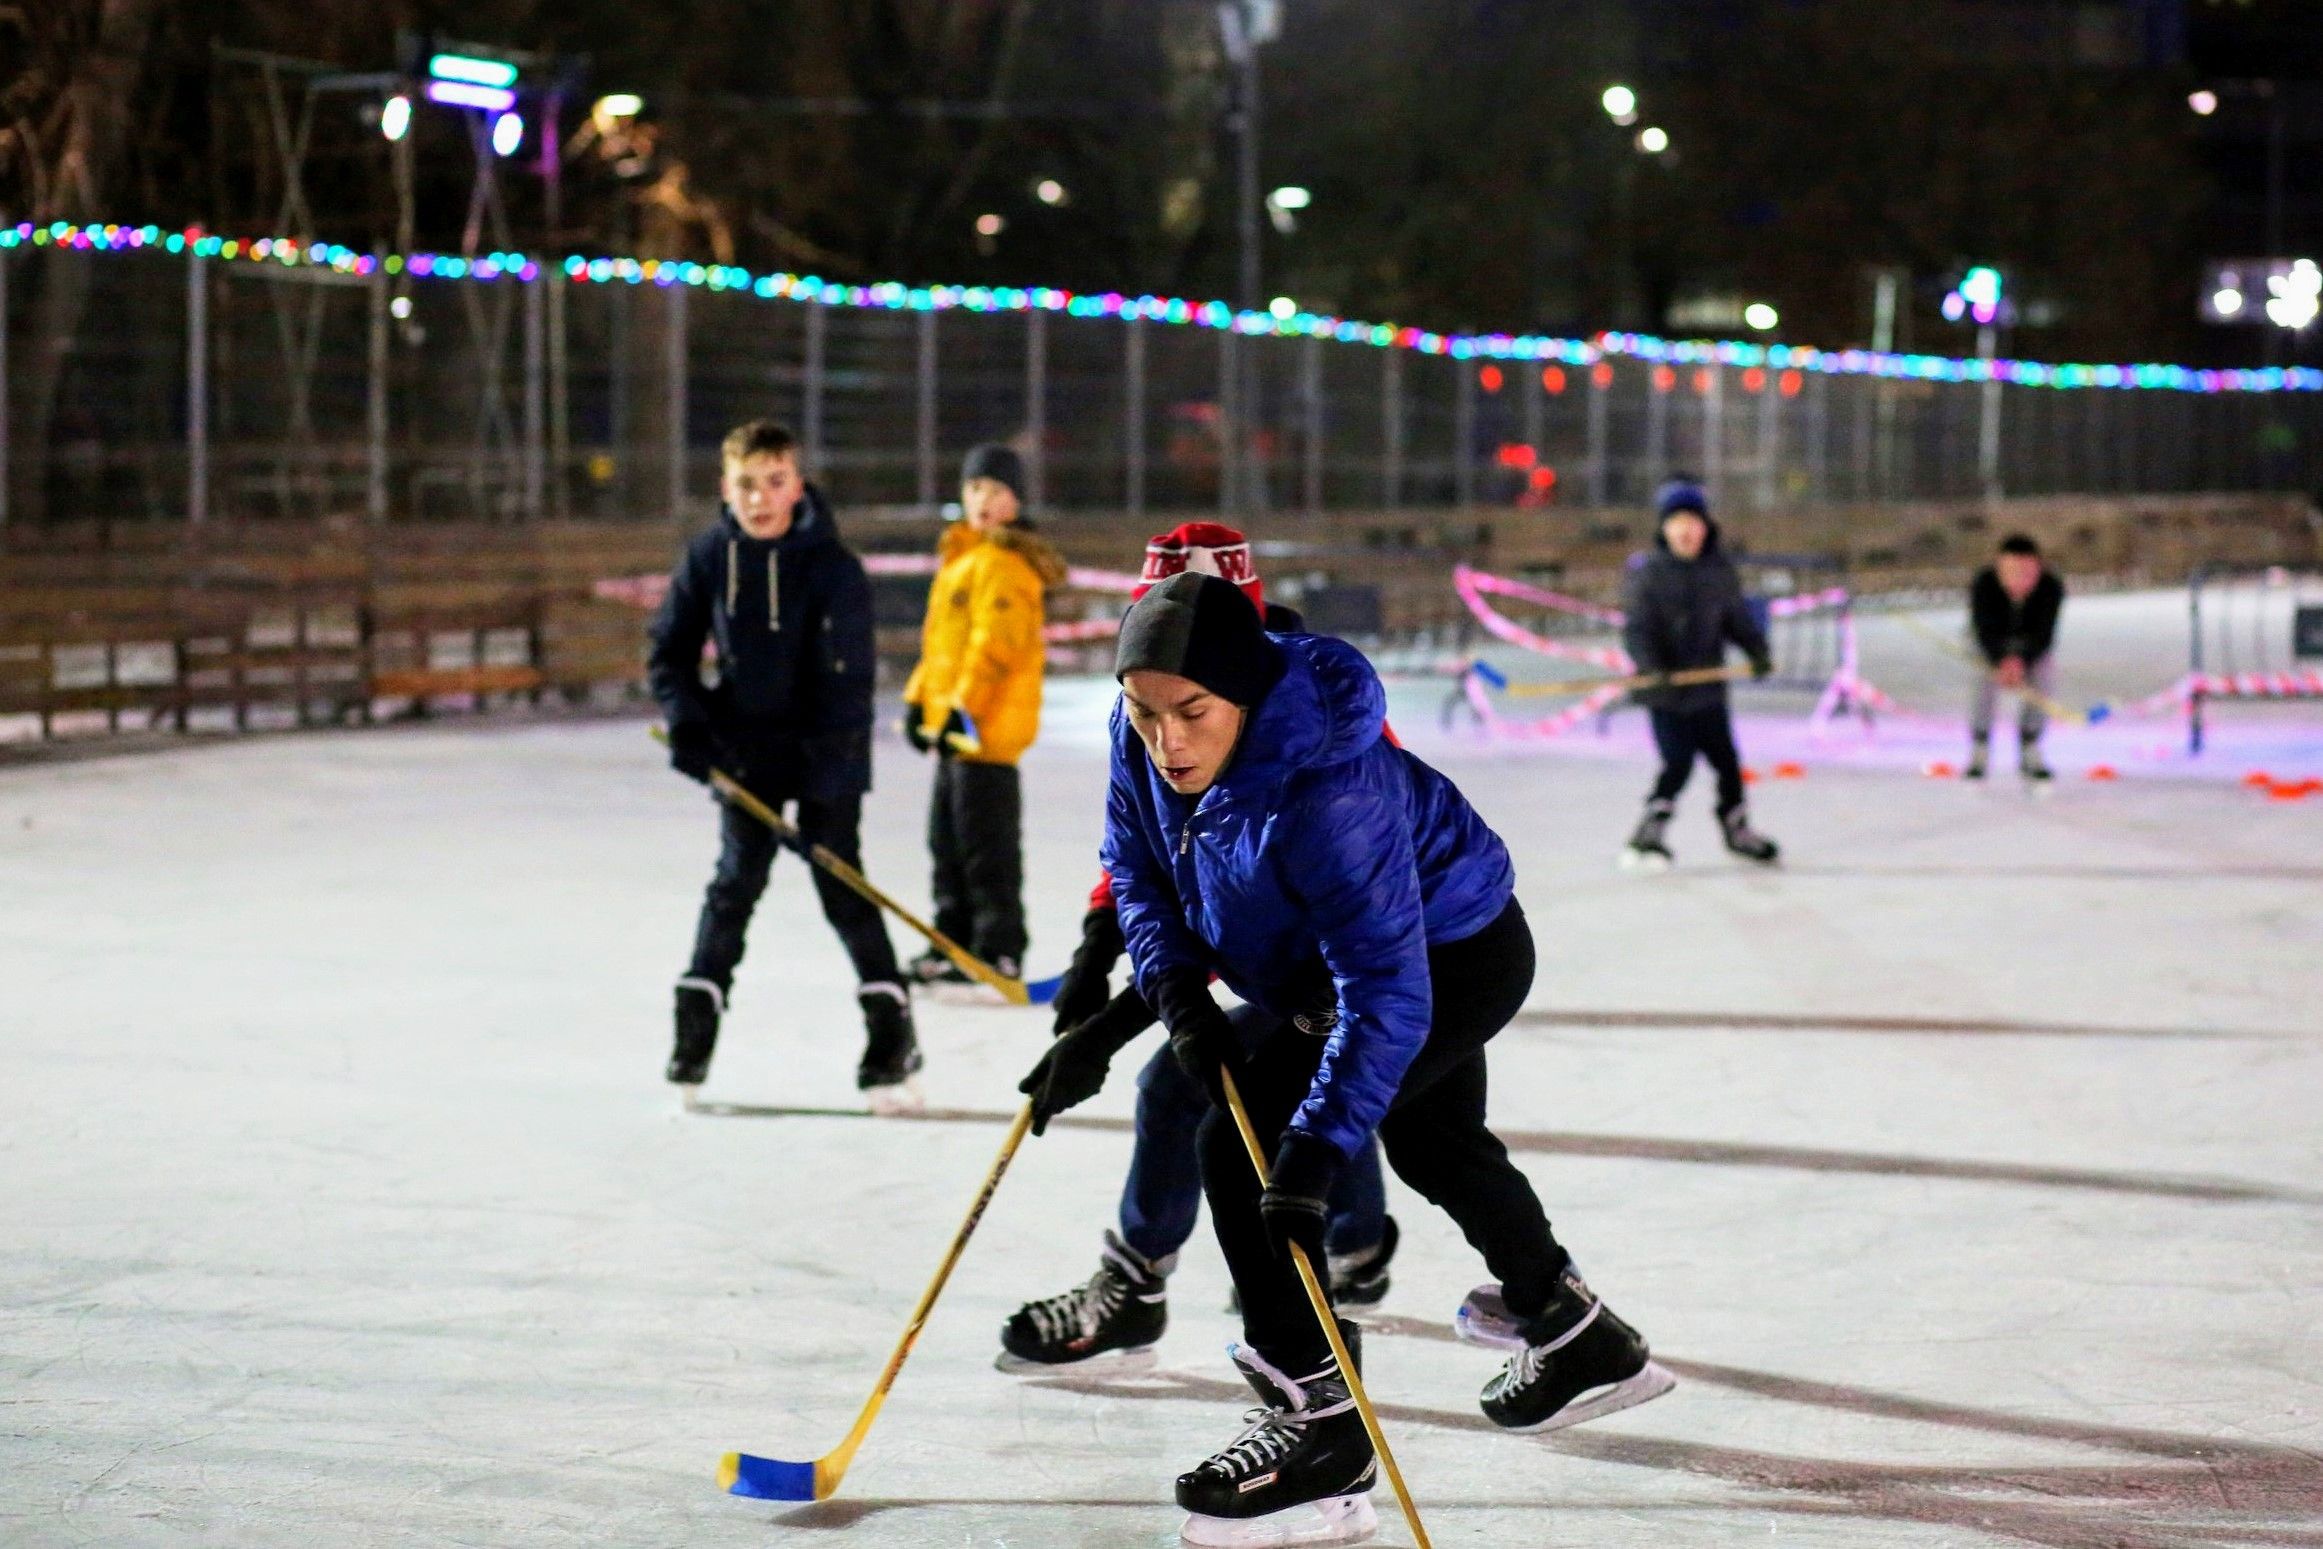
(193, 389)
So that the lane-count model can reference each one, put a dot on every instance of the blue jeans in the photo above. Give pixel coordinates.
(1162, 1198)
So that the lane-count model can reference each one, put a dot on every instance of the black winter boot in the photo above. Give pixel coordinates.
(700, 1004)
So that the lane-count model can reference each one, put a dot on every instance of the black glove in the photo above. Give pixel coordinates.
(913, 732)
(693, 748)
(958, 735)
(1762, 666)
(1297, 1203)
(1084, 990)
(1204, 1042)
(1073, 1069)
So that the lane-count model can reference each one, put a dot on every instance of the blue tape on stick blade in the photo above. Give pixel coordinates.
(771, 1479)
(1490, 674)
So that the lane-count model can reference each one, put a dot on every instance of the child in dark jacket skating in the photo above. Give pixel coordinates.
(1682, 604)
(788, 609)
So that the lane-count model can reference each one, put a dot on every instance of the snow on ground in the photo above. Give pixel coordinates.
(1966, 1170)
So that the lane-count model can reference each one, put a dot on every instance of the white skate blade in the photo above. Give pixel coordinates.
(1109, 1363)
(1644, 864)
(689, 1097)
(889, 1102)
(1651, 1383)
(1338, 1519)
(945, 992)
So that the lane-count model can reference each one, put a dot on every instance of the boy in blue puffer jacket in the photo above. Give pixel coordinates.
(789, 609)
(1260, 827)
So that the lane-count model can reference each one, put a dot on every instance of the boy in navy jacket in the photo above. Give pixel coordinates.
(788, 609)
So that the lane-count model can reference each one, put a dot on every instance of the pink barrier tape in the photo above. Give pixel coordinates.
(1473, 584)
(1484, 581)
(2179, 697)
(638, 591)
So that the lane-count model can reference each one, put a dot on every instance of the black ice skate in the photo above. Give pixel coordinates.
(1647, 850)
(1300, 1474)
(891, 1050)
(700, 1004)
(932, 967)
(1745, 841)
(1109, 1325)
(1360, 1279)
(1578, 1361)
(2033, 767)
(1979, 759)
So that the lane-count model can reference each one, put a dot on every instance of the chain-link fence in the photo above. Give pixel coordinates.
(146, 385)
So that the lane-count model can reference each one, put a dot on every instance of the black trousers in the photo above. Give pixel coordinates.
(976, 837)
(1434, 1134)
(1681, 735)
(746, 852)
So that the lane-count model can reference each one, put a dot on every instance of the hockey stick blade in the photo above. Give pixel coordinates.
(772, 1479)
(1040, 992)
(769, 1479)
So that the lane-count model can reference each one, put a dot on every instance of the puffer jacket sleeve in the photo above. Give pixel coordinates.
(1739, 624)
(1642, 624)
(1004, 634)
(1153, 922)
(1349, 861)
(673, 665)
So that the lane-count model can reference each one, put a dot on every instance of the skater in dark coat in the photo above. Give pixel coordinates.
(1260, 827)
(2013, 606)
(788, 610)
(1682, 605)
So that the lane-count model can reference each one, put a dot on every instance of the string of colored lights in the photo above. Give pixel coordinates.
(894, 296)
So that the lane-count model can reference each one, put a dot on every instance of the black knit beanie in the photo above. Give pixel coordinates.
(997, 462)
(1201, 628)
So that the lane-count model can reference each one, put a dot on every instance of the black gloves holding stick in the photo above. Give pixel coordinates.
(1073, 1069)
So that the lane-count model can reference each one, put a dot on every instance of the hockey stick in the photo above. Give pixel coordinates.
(1011, 990)
(771, 1479)
(1322, 1306)
(2025, 691)
(1499, 680)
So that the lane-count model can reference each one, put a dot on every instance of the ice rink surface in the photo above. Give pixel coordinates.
(1968, 1171)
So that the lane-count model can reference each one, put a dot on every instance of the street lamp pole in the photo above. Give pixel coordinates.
(1245, 25)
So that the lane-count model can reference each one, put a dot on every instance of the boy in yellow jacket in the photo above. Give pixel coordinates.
(975, 701)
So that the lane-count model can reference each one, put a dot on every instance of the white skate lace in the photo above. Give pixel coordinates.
(1271, 1435)
(1526, 1366)
(1079, 1313)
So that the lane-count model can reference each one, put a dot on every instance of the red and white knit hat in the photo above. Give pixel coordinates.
(1206, 548)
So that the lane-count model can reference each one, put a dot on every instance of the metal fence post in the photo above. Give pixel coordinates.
(1133, 419)
(1819, 435)
(1770, 434)
(375, 405)
(1311, 402)
(811, 410)
(198, 389)
(674, 390)
(924, 417)
(1532, 405)
(1391, 426)
(1229, 420)
(535, 394)
(1600, 431)
(1036, 404)
(1464, 435)
(3, 387)
(1712, 382)
(1657, 425)
(560, 405)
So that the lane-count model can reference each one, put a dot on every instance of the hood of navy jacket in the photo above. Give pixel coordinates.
(790, 618)
(1319, 868)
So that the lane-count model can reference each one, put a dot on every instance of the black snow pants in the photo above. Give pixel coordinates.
(1434, 1135)
(976, 838)
(745, 857)
(1708, 733)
